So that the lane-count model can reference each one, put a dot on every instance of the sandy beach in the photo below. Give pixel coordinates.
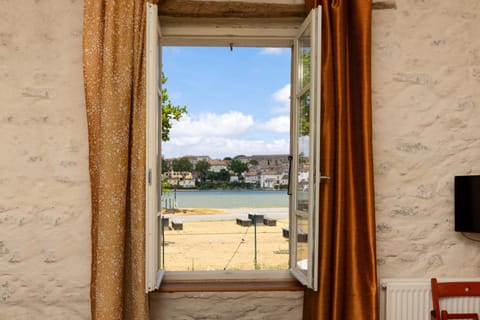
(212, 240)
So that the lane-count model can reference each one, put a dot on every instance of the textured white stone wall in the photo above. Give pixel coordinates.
(44, 186)
(227, 306)
(426, 109)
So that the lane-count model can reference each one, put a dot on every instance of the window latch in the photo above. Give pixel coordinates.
(289, 188)
(149, 177)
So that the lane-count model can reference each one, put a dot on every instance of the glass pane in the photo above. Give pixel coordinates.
(302, 243)
(304, 58)
(303, 152)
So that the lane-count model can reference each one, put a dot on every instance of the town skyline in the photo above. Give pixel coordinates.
(259, 171)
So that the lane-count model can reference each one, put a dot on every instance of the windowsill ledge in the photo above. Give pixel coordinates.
(229, 281)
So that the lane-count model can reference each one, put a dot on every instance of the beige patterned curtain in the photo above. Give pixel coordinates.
(114, 76)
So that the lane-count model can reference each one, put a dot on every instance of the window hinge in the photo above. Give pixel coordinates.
(149, 177)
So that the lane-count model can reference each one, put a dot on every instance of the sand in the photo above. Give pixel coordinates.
(224, 245)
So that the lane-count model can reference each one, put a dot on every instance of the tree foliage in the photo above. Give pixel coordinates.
(238, 167)
(201, 168)
(170, 112)
(182, 164)
(165, 165)
(305, 100)
(222, 176)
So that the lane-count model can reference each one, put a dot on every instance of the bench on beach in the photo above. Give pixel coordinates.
(177, 225)
(244, 222)
(302, 236)
(269, 222)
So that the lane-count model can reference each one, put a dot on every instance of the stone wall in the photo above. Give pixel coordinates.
(44, 186)
(426, 109)
(227, 306)
(426, 75)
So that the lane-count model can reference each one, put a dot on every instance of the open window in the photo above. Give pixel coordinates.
(305, 150)
(153, 274)
(304, 141)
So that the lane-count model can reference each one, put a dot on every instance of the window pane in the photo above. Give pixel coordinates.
(302, 243)
(304, 56)
(303, 152)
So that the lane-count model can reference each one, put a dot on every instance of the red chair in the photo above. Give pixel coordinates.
(452, 289)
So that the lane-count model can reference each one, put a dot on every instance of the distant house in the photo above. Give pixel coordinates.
(217, 165)
(269, 183)
(182, 179)
(252, 177)
(187, 183)
(271, 179)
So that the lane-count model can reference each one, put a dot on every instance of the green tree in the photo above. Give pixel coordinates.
(201, 168)
(170, 112)
(223, 175)
(238, 167)
(182, 164)
(304, 110)
(165, 165)
(253, 162)
(212, 175)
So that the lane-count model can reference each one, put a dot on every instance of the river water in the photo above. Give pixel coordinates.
(229, 199)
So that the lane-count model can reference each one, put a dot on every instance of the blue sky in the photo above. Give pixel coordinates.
(237, 101)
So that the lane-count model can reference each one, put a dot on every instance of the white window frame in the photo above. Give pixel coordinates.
(153, 272)
(222, 32)
(307, 276)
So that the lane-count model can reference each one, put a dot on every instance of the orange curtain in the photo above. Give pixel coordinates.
(347, 266)
(114, 78)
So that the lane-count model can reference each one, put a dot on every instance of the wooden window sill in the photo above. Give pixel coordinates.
(234, 282)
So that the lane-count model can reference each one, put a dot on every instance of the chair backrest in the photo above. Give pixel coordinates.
(451, 289)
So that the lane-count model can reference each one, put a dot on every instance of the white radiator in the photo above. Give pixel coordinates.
(411, 299)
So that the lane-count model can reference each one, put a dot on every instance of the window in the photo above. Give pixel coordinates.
(304, 177)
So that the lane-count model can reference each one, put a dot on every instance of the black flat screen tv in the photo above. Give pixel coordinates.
(467, 203)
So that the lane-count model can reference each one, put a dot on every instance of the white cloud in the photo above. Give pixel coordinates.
(227, 134)
(211, 124)
(272, 51)
(278, 124)
(220, 147)
(282, 96)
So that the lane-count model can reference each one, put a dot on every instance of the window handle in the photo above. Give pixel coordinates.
(289, 188)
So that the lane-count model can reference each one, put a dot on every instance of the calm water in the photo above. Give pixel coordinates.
(230, 199)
